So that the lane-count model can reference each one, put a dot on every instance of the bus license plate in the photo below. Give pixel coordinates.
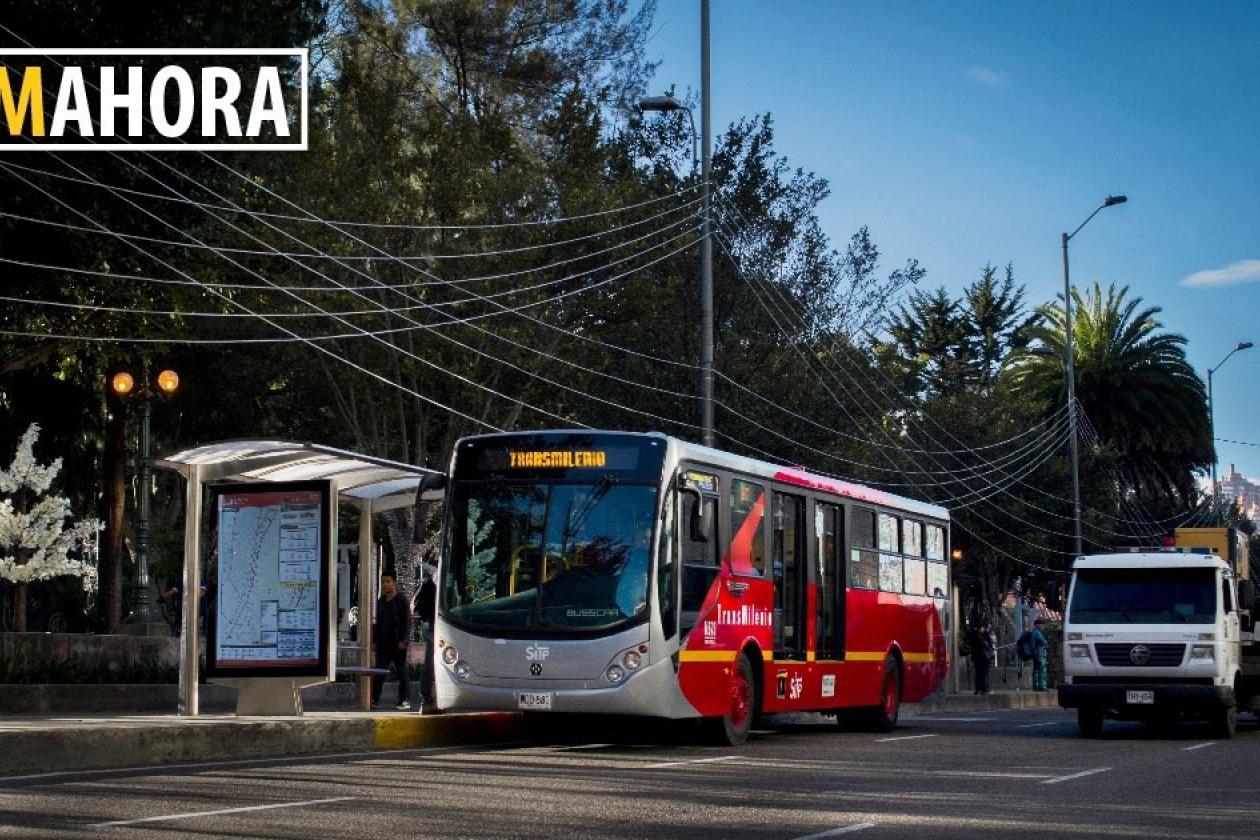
(1139, 697)
(534, 700)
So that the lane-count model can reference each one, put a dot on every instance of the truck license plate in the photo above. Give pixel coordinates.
(1139, 697)
(534, 700)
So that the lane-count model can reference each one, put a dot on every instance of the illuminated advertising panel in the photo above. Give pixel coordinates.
(270, 604)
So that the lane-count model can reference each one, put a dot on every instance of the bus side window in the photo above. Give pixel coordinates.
(938, 570)
(667, 568)
(700, 559)
(890, 579)
(747, 535)
(864, 562)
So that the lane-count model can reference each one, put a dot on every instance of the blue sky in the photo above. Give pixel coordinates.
(968, 133)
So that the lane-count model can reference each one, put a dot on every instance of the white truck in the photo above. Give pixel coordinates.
(1158, 635)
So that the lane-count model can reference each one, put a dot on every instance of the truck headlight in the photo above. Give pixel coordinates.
(1078, 651)
(1202, 652)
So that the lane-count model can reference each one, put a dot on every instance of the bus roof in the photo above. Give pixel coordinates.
(1150, 560)
(763, 469)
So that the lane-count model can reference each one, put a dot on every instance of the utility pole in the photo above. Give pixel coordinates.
(706, 240)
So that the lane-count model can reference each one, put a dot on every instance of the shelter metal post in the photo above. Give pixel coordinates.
(363, 635)
(190, 648)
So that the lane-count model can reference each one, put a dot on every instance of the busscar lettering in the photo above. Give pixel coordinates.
(557, 459)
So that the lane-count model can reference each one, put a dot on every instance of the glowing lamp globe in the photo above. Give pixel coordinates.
(168, 382)
(122, 383)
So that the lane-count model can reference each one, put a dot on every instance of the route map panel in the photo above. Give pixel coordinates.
(269, 590)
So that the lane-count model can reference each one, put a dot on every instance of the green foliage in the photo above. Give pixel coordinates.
(1133, 382)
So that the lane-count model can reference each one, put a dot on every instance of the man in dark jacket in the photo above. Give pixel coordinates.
(426, 607)
(392, 634)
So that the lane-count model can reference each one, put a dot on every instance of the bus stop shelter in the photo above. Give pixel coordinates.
(372, 485)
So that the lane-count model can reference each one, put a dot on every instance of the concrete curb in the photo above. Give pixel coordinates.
(121, 742)
(983, 702)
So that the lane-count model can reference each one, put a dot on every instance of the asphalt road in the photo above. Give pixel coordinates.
(994, 774)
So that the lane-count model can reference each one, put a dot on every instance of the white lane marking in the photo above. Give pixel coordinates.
(691, 761)
(1034, 725)
(223, 811)
(1079, 775)
(954, 719)
(844, 829)
(905, 738)
(1198, 746)
(261, 760)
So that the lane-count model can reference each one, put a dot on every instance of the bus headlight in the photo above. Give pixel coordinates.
(615, 674)
(1078, 651)
(463, 670)
(450, 655)
(631, 660)
(1205, 653)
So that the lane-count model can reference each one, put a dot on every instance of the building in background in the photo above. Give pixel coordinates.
(1235, 486)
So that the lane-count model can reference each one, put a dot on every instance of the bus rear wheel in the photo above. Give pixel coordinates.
(731, 729)
(884, 716)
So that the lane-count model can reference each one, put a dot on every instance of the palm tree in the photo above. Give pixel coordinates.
(1133, 383)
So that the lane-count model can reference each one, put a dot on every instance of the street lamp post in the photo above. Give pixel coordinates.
(669, 103)
(1109, 201)
(1242, 345)
(124, 385)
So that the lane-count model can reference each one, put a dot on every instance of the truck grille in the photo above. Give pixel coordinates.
(1121, 655)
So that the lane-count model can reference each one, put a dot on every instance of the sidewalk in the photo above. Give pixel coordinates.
(53, 743)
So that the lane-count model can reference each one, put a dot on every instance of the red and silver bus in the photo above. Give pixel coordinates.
(608, 572)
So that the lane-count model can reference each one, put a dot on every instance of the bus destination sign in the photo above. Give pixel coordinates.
(557, 459)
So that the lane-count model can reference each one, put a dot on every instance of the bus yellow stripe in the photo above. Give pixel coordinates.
(706, 656)
(878, 656)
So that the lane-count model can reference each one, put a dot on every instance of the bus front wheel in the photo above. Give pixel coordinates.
(731, 729)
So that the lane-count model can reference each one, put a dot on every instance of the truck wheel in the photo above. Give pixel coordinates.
(1225, 722)
(884, 716)
(1090, 721)
(731, 729)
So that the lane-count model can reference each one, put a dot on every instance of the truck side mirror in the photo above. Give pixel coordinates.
(1246, 595)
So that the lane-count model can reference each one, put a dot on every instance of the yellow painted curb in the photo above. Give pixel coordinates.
(394, 732)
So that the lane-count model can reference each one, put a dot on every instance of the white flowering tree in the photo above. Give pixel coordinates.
(35, 537)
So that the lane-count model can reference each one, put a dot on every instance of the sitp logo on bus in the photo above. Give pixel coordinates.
(537, 653)
(175, 99)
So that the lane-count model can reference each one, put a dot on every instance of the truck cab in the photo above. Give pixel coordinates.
(1153, 636)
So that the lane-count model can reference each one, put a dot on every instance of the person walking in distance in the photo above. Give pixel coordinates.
(982, 652)
(426, 607)
(1041, 656)
(392, 633)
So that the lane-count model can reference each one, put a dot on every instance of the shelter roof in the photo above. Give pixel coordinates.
(355, 476)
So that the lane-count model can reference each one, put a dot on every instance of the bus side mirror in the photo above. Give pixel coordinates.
(432, 488)
(701, 524)
(1246, 595)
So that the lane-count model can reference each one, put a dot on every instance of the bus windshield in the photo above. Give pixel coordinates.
(1143, 596)
(553, 557)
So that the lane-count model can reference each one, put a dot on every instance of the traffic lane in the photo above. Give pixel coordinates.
(785, 784)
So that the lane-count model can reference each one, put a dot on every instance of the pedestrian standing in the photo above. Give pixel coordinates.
(392, 633)
(982, 653)
(426, 609)
(1041, 656)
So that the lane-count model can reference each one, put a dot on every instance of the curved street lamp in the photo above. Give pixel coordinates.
(1242, 345)
(1109, 201)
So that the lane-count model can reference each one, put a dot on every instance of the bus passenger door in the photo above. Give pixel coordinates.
(699, 554)
(788, 563)
(829, 533)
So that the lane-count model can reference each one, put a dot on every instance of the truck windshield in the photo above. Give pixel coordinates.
(549, 557)
(1143, 596)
